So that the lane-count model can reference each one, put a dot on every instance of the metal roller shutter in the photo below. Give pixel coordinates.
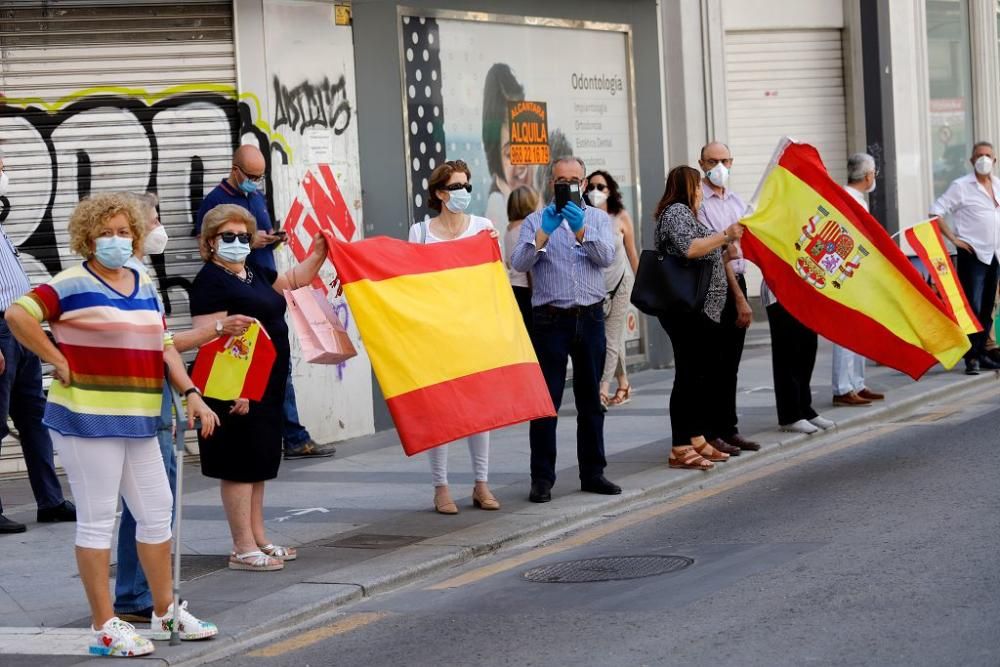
(784, 82)
(137, 96)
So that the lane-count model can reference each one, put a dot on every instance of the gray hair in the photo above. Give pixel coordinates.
(979, 144)
(570, 158)
(858, 166)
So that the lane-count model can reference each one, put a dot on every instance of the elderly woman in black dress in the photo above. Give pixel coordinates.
(693, 335)
(245, 450)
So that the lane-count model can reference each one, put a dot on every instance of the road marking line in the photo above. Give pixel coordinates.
(632, 518)
(343, 626)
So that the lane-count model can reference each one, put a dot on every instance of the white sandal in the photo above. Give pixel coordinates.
(279, 552)
(254, 561)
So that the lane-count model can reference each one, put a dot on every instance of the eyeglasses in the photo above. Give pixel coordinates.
(458, 186)
(256, 178)
(229, 237)
(568, 181)
(597, 186)
(711, 162)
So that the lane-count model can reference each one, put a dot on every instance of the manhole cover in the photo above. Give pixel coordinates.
(194, 566)
(611, 568)
(373, 541)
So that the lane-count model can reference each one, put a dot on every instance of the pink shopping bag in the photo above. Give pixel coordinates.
(323, 338)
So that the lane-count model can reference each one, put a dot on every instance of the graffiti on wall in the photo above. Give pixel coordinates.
(307, 104)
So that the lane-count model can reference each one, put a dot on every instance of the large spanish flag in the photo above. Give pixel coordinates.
(926, 239)
(444, 336)
(836, 270)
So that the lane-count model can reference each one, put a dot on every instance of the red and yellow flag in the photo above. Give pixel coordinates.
(836, 270)
(234, 367)
(926, 239)
(444, 335)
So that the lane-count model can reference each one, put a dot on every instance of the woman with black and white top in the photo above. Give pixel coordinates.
(679, 233)
(449, 193)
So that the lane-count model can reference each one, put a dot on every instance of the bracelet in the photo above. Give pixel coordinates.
(192, 390)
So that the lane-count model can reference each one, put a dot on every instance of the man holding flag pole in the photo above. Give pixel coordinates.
(973, 204)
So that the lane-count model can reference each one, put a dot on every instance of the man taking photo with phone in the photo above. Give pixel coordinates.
(566, 247)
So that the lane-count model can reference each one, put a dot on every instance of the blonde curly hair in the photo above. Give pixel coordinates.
(219, 216)
(94, 211)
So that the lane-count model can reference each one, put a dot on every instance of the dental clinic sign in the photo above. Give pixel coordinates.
(529, 133)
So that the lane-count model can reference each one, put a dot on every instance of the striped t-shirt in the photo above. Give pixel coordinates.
(114, 345)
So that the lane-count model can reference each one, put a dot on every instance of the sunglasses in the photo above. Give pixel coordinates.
(597, 186)
(229, 237)
(458, 186)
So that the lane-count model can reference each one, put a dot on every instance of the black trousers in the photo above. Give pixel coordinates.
(523, 297)
(558, 335)
(694, 338)
(725, 377)
(793, 357)
(979, 282)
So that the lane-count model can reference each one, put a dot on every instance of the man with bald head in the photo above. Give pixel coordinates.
(243, 187)
(720, 208)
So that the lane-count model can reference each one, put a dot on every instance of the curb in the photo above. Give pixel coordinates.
(320, 597)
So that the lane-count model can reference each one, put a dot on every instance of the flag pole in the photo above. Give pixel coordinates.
(783, 143)
(179, 430)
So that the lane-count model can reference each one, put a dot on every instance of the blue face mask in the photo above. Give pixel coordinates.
(248, 186)
(234, 251)
(458, 201)
(113, 251)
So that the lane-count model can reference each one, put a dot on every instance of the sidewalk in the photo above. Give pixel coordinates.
(363, 521)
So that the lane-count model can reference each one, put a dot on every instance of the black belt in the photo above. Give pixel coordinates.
(574, 310)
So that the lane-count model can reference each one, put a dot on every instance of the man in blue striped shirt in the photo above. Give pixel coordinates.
(566, 252)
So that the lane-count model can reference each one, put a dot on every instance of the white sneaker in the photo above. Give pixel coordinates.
(801, 426)
(822, 422)
(118, 638)
(189, 627)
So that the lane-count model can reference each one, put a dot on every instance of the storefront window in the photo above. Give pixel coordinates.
(950, 68)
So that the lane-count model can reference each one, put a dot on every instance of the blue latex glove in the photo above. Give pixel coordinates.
(573, 215)
(550, 219)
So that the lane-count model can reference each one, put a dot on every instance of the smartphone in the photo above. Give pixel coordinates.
(567, 192)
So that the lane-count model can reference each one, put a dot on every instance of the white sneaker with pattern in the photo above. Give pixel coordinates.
(118, 638)
(189, 627)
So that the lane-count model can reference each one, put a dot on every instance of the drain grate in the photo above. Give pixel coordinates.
(373, 541)
(610, 568)
(194, 566)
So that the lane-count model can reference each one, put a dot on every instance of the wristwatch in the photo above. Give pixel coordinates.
(192, 390)
(218, 327)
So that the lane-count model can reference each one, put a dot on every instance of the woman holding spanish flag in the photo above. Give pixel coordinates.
(245, 450)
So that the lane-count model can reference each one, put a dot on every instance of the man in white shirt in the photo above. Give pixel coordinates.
(973, 203)
(849, 367)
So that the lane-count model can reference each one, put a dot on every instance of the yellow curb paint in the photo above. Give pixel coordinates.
(343, 626)
(639, 516)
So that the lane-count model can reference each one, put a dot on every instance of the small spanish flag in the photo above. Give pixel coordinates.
(234, 367)
(444, 335)
(835, 269)
(926, 239)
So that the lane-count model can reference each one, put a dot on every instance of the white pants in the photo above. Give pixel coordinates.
(848, 371)
(99, 469)
(614, 329)
(479, 452)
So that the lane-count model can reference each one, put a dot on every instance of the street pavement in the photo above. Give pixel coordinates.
(878, 548)
(364, 524)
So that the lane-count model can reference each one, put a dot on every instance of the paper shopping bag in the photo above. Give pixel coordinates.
(323, 338)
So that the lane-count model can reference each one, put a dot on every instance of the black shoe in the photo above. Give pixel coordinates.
(971, 367)
(987, 363)
(541, 491)
(309, 450)
(600, 485)
(64, 511)
(140, 616)
(8, 526)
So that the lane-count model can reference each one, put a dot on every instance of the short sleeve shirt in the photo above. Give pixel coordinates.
(224, 193)
(676, 229)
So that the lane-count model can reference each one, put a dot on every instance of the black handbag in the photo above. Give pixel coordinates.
(670, 284)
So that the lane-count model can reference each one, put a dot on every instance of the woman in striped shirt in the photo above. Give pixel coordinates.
(103, 411)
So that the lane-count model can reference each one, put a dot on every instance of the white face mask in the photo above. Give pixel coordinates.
(597, 197)
(156, 241)
(984, 165)
(718, 175)
(4, 182)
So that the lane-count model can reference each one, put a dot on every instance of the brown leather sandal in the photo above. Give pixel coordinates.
(711, 453)
(686, 457)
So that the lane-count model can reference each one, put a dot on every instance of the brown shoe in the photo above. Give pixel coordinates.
(707, 451)
(725, 447)
(851, 399)
(483, 499)
(870, 395)
(443, 504)
(737, 440)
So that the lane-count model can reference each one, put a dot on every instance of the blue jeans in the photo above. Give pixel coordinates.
(557, 336)
(132, 592)
(21, 398)
(979, 281)
(293, 433)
